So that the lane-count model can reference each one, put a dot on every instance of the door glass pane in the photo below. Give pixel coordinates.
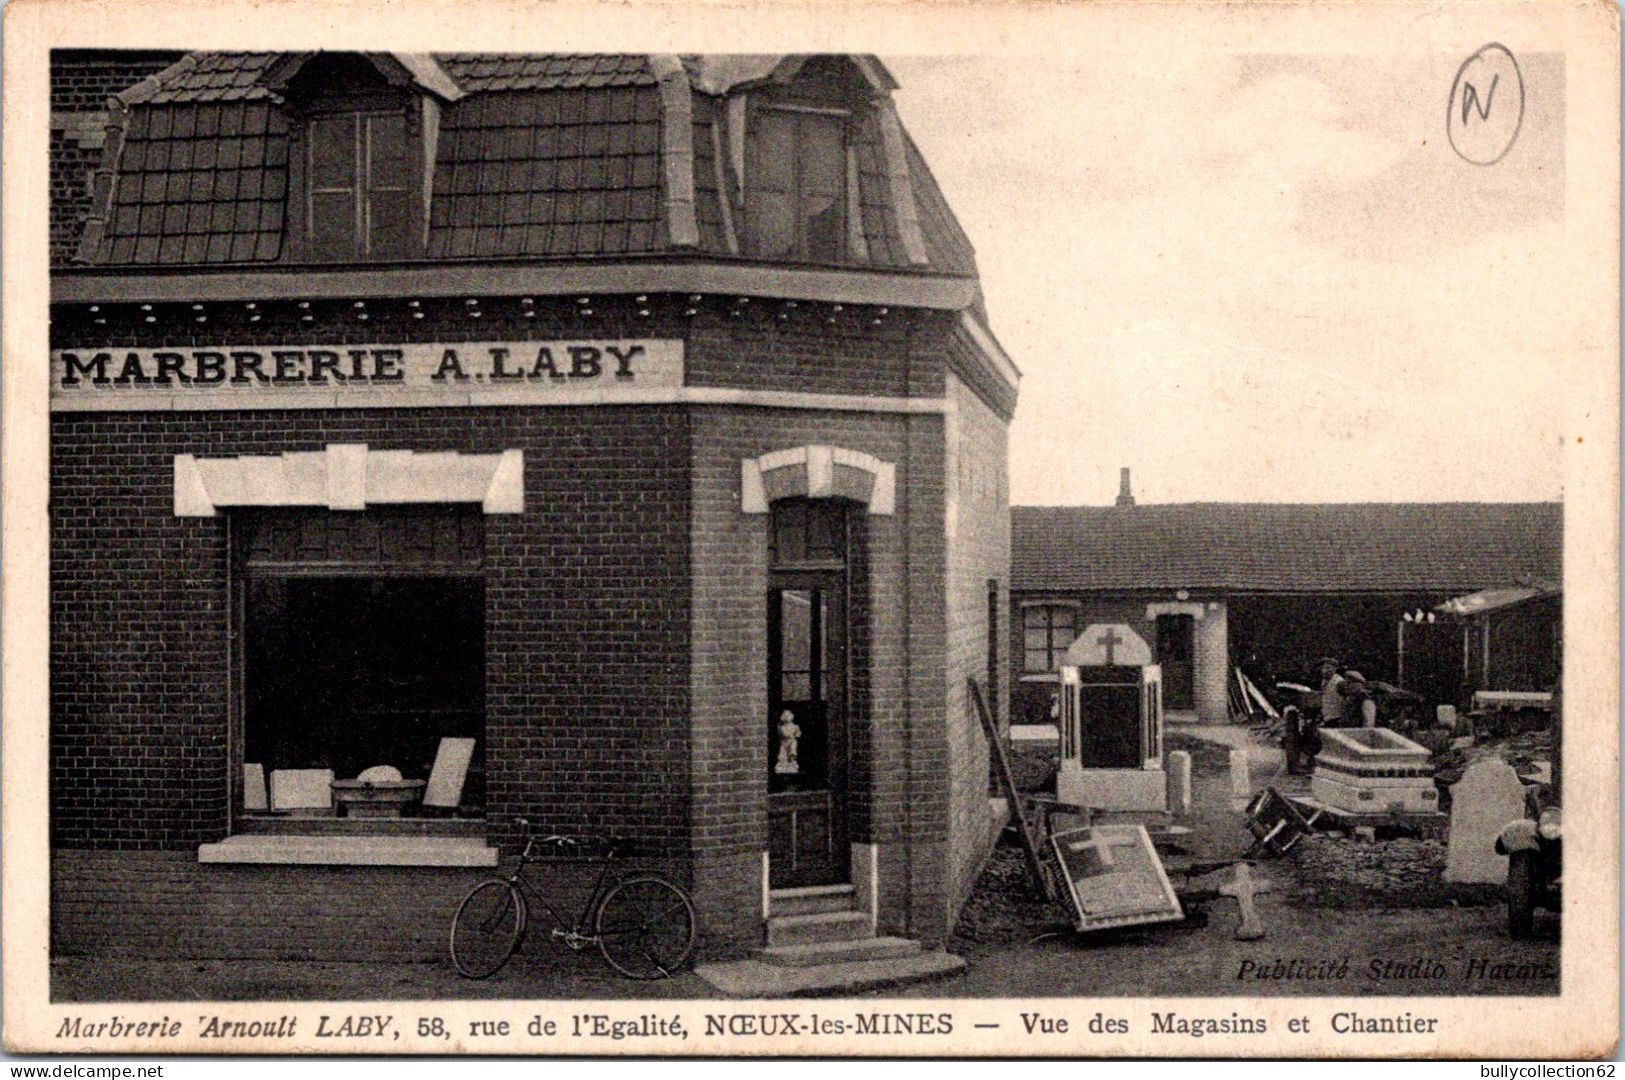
(822, 184)
(824, 528)
(387, 151)
(332, 153)
(823, 160)
(333, 225)
(772, 152)
(389, 224)
(773, 223)
(796, 649)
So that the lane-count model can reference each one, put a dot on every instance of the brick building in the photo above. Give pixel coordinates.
(601, 413)
(1272, 587)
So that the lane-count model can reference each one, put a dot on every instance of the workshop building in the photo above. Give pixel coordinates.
(613, 441)
(1271, 588)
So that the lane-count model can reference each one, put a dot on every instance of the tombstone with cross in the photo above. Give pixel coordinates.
(1111, 723)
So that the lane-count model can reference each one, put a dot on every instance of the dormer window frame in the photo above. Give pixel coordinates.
(851, 247)
(303, 187)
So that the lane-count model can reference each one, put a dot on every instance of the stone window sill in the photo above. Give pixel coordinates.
(350, 851)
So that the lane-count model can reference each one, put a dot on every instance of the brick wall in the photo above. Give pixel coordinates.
(632, 540)
(81, 83)
(595, 567)
(729, 657)
(83, 79)
(895, 782)
(767, 344)
(1211, 658)
(978, 552)
(165, 904)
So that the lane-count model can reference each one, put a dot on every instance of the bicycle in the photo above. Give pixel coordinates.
(643, 925)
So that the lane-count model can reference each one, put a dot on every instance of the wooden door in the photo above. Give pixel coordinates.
(807, 728)
(1176, 653)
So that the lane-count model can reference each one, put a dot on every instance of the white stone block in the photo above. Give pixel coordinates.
(1241, 781)
(1121, 790)
(1179, 782)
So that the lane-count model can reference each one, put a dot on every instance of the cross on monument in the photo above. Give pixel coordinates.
(1101, 845)
(1111, 640)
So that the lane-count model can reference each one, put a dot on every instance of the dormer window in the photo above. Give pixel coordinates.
(796, 183)
(364, 130)
(361, 186)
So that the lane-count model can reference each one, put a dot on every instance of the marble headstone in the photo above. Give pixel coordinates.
(1488, 795)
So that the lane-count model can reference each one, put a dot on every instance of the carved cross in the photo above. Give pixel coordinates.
(1101, 845)
(1111, 639)
(1244, 888)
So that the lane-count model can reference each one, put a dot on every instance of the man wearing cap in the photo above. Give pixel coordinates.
(1333, 706)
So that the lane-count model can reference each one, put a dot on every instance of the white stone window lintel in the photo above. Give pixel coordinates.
(349, 476)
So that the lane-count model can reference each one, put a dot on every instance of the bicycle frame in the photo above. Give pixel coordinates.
(577, 935)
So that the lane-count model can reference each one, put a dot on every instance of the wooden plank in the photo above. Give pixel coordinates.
(1029, 843)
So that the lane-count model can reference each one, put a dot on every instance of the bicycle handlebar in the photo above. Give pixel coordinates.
(609, 846)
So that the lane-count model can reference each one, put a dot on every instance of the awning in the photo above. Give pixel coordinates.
(1487, 600)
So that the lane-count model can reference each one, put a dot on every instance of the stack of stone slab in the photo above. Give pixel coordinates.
(1373, 771)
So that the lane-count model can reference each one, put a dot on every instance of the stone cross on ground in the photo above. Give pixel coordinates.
(1244, 888)
(1101, 846)
(1111, 640)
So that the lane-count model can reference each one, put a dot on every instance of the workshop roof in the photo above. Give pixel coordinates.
(1267, 547)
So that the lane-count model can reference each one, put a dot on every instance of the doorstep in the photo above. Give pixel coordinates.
(759, 979)
(350, 851)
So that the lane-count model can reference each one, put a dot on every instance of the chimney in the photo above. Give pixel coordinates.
(1125, 497)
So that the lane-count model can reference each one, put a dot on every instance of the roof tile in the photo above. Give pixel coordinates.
(572, 140)
(1260, 547)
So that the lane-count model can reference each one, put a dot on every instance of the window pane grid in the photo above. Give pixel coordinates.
(796, 184)
(1047, 633)
(360, 187)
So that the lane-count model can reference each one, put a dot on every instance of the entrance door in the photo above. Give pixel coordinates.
(1176, 652)
(806, 728)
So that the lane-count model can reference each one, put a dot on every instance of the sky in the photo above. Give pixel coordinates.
(1260, 277)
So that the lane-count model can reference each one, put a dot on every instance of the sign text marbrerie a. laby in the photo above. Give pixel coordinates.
(455, 366)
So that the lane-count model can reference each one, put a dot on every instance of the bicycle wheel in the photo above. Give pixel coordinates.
(645, 928)
(487, 928)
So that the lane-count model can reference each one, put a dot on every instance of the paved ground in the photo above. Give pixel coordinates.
(1023, 950)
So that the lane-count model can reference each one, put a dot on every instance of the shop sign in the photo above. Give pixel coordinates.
(260, 376)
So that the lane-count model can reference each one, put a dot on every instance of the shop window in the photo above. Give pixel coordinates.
(363, 649)
(360, 191)
(796, 183)
(1047, 632)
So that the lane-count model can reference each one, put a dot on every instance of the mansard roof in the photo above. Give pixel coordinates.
(560, 156)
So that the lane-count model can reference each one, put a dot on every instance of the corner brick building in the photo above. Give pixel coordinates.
(631, 420)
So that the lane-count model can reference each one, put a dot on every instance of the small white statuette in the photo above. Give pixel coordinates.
(789, 735)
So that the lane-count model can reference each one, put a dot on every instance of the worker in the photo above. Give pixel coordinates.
(1333, 705)
(1358, 699)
